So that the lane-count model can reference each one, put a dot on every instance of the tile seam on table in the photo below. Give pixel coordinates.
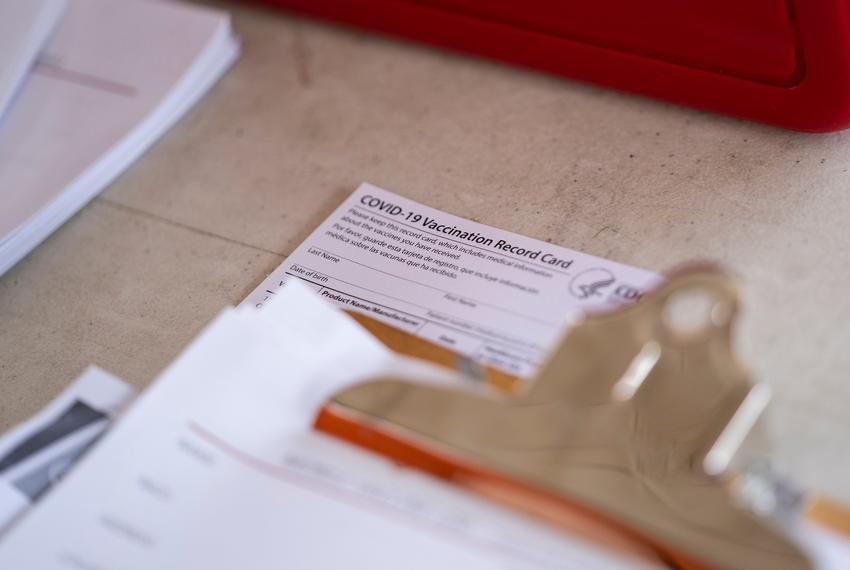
(181, 225)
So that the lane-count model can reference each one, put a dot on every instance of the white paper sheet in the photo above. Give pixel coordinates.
(36, 454)
(498, 297)
(24, 28)
(215, 467)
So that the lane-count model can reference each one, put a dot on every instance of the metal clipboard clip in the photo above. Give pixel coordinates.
(629, 432)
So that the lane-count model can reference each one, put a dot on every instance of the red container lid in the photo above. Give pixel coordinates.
(785, 62)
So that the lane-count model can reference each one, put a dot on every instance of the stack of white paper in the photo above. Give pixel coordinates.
(115, 75)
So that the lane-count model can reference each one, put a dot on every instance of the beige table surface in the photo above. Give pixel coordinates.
(311, 110)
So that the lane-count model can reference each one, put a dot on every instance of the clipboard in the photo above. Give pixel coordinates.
(632, 433)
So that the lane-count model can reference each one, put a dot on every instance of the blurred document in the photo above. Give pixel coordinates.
(115, 75)
(498, 297)
(25, 26)
(37, 453)
(215, 467)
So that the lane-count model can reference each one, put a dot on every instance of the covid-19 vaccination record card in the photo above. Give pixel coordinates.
(495, 296)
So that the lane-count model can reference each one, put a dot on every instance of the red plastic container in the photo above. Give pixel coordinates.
(784, 62)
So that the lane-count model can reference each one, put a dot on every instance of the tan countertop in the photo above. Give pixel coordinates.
(311, 110)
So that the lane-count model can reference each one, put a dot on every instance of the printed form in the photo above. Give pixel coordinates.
(498, 297)
(216, 467)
